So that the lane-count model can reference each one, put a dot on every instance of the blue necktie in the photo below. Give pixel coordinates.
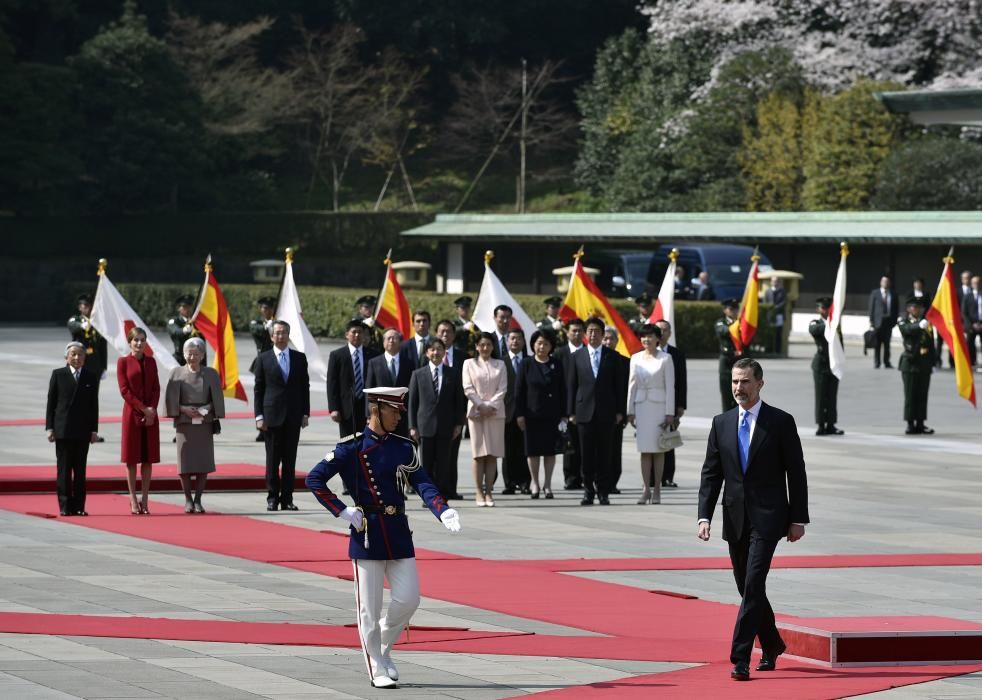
(504, 348)
(359, 379)
(743, 437)
(595, 361)
(516, 362)
(392, 369)
(284, 367)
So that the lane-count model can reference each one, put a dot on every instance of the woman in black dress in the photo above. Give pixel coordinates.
(540, 401)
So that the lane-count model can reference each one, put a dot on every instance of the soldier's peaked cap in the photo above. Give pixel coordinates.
(367, 300)
(553, 301)
(916, 301)
(464, 301)
(266, 301)
(84, 298)
(184, 300)
(730, 304)
(824, 302)
(391, 395)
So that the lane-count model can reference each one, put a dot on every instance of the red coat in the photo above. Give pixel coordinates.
(140, 387)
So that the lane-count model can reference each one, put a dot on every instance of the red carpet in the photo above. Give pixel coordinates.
(811, 561)
(232, 415)
(217, 630)
(637, 624)
(111, 478)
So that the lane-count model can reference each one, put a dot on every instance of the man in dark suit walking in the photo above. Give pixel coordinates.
(282, 407)
(597, 394)
(72, 423)
(755, 450)
(681, 395)
(437, 413)
(883, 311)
(347, 370)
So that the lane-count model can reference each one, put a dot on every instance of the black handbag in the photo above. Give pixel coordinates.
(216, 427)
(869, 340)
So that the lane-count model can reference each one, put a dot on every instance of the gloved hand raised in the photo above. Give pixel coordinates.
(353, 516)
(450, 519)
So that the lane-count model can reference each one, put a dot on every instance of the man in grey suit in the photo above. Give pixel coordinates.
(437, 412)
(883, 311)
(972, 316)
(72, 422)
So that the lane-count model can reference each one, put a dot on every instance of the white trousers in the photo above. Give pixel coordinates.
(378, 633)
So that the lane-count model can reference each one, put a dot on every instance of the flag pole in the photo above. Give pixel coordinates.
(378, 294)
(204, 288)
(103, 264)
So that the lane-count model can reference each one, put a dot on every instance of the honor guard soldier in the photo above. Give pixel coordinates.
(373, 466)
(180, 328)
(826, 383)
(916, 365)
(728, 354)
(645, 307)
(551, 322)
(365, 312)
(81, 330)
(466, 330)
(259, 329)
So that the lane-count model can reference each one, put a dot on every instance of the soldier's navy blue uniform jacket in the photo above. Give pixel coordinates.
(368, 464)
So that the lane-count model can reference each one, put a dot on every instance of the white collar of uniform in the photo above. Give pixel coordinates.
(574, 348)
(754, 411)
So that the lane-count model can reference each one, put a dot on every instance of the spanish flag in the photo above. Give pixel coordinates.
(392, 309)
(212, 321)
(584, 299)
(744, 330)
(946, 317)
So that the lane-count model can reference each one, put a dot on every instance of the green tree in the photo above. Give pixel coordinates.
(141, 119)
(770, 157)
(931, 173)
(851, 136)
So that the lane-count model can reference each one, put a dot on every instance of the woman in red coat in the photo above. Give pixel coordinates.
(140, 389)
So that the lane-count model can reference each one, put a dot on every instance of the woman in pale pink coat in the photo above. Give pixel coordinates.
(485, 383)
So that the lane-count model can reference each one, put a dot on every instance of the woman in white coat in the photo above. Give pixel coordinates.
(651, 407)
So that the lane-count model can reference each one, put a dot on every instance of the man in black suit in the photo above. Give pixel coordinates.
(413, 349)
(347, 375)
(611, 338)
(972, 315)
(514, 465)
(72, 423)
(572, 480)
(755, 450)
(502, 326)
(681, 394)
(446, 331)
(437, 413)
(282, 406)
(883, 312)
(597, 393)
(391, 369)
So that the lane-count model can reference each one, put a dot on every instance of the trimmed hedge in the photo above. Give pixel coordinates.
(327, 309)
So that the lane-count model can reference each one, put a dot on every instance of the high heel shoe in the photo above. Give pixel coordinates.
(188, 506)
(144, 507)
(135, 508)
(488, 501)
(548, 492)
(535, 495)
(198, 508)
(645, 497)
(479, 499)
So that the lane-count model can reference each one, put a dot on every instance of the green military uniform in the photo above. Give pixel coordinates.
(551, 323)
(635, 322)
(81, 331)
(728, 355)
(466, 331)
(259, 329)
(372, 336)
(826, 383)
(916, 365)
(180, 328)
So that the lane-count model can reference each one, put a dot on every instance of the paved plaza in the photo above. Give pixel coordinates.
(872, 491)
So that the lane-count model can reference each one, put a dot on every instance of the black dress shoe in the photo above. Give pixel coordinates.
(669, 484)
(64, 513)
(820, 431)
(526, 490)
(289, 506)
(574, 485)
(586, 501)
(767, 663)
(604, 501)
(924, 430)
(740, 672)
(455, 496)
(508, 491)
(616, 491)
(100, 439)
(911, 430)
(888, 365)
(832, 430)
(81, 513)
(261, 437)
(271, 505)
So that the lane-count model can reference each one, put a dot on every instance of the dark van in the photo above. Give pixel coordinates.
(728, 266)
(623, 273)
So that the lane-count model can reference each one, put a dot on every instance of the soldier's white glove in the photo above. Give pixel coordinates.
(353, 516)
(85, 324)
(450, 519)
(188, 328)
(468, 326)
(923, 323)
(369, 322)
(557, 325)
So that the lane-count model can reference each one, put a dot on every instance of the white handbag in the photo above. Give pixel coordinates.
(669, 440)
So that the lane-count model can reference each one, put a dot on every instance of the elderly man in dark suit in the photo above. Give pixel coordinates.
(282, 406)
(755, 450)
(681, 395)
(391, 369)
(884, 308)
(347, 369)
(596, 399)
(72, 422)
(437, 414)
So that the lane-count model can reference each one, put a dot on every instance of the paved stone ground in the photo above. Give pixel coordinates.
(873, 490)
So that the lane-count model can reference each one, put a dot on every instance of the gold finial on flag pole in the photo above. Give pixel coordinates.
(289, 255)
(388, 258)
(673, 254)
(949, 259)
(578, 254)
(488, 257)
(103, 264)
(756, 256)
(844, 249)
(208, 265)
